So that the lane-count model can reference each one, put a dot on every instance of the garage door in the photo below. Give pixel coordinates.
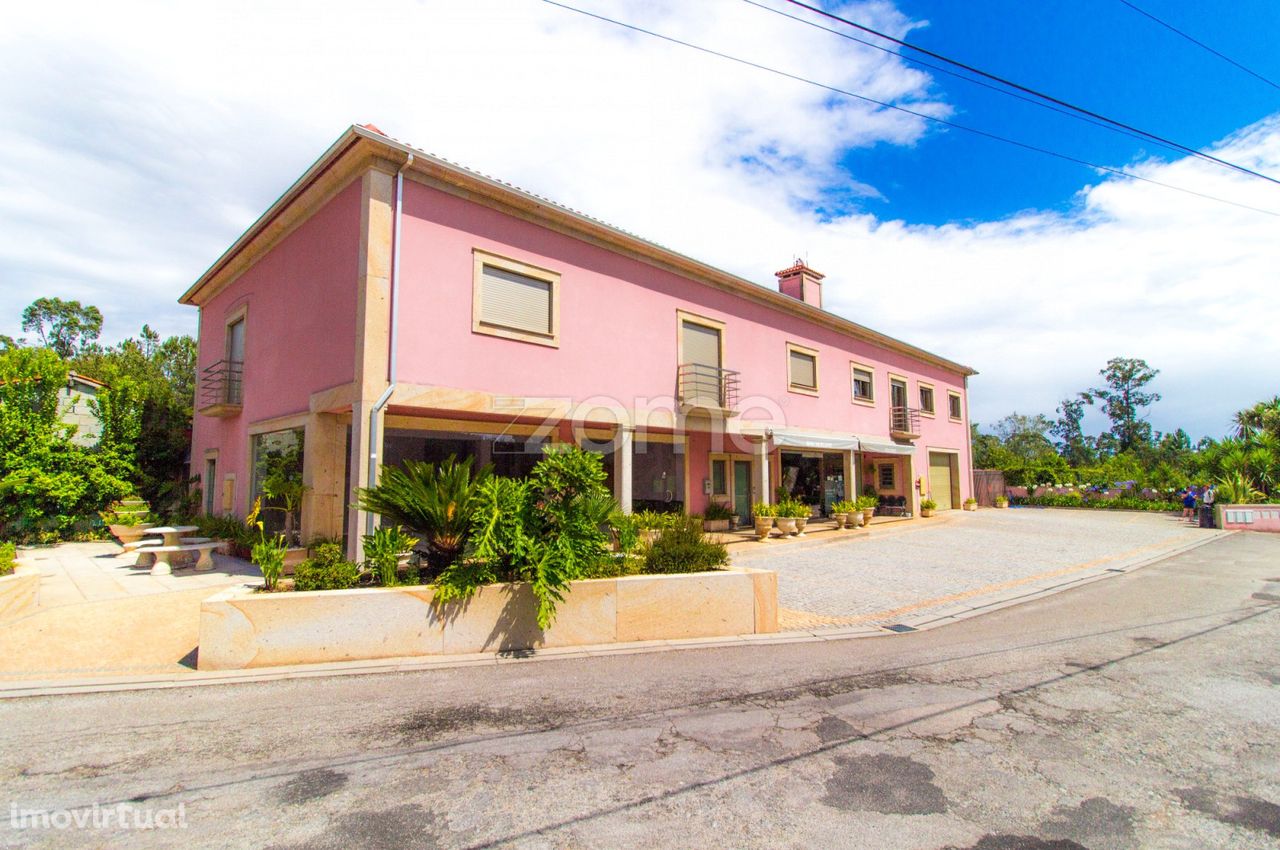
(941, 481)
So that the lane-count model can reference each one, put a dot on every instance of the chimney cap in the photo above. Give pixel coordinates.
(799, 266)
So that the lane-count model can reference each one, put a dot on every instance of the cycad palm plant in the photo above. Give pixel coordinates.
(435, 501)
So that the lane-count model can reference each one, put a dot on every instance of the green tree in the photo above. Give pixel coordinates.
(64, 326)
(1073, 444)
(50, 486)
(1025, 436)
(1124, 400)
(1263, 417)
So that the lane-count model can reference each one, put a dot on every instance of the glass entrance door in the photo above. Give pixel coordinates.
(742, 491)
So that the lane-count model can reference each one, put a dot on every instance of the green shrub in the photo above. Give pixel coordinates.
(683, 548)
(625, 530)
(382, 551)
(928, 505)
(867, 502)
(718, 512)
(1076, 500)
(548, 530)
(325, 574)
(762, 510)
(844, 506)
(655, 521)
(8, 558)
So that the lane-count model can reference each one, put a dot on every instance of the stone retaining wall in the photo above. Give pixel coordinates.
(19, 592)
(240, 628)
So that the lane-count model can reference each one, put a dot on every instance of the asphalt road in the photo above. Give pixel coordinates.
(1140, 711)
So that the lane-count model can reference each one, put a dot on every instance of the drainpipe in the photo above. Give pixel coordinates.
(374, 440)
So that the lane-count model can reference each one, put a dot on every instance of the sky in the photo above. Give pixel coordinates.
(142, 138)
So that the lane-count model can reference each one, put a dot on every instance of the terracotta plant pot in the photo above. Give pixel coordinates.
(926, 512)
(801, 522)
(1002, 505)
(764, 525)
(841, 520)
(970, 506)
(715, 525)
(786, 524)
(867, 514)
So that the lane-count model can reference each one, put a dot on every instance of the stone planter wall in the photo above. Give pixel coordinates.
(241, 629)
(19, 592)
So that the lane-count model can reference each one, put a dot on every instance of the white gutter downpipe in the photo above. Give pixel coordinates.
(374, 440)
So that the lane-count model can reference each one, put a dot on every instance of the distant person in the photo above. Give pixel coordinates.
(1189, 504)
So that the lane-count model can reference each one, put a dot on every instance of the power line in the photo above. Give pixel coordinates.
(1201, 44)
(1007, 82)
(941, 70)
(1024, 145)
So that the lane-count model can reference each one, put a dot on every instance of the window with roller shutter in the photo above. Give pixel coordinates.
(515, 300)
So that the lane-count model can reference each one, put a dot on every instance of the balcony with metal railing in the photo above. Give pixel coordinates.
(904, 423)
(222, 388)
(701, 387)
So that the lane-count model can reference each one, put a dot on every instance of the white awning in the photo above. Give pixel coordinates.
(798, 438)
(880, 445)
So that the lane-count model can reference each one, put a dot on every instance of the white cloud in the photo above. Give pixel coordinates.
(141, 139)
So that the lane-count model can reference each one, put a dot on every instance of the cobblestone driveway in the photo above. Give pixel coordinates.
(966, 560)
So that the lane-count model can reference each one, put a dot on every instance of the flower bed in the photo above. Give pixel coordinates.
(242, 629)
(1077, 500)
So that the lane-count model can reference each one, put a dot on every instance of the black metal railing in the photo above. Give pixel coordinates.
(905, 420)
(707, 386)
(222, 383)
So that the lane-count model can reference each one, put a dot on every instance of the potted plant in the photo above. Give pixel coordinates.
(128, 519)
(786, 517)
(763, 515)
(847, 513)
(1002, 501)
(716, 517)
(970, 504)
(867, 504)
(801, 512)
(927, 507)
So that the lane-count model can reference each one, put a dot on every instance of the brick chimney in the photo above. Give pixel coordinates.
(801, 283)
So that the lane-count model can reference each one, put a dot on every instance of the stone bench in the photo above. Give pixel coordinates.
(163, 553)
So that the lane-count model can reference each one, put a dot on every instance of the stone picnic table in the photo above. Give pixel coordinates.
(171, 541)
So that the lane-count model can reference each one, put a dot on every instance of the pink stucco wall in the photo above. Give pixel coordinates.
(299, 331)
(1260, 517)
(618, 332)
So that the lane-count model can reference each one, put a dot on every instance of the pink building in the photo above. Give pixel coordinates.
(392, 305)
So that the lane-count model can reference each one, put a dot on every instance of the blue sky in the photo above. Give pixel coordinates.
(1098, 54)
(142, 137)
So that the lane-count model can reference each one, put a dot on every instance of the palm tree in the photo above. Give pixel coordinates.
(436, 502)
(1262, 417)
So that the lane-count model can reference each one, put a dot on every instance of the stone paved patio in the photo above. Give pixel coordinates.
(955, 560)
(72, 573)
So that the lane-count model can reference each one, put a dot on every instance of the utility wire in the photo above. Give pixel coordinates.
(1024, 145)
(941, 70)
(1007, 82)
(1201, 44)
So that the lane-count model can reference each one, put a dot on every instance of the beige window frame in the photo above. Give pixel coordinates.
(921, 389)
(854, 368)
(481, 259)
(683, 316)
(953, 402)
(803, 351)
